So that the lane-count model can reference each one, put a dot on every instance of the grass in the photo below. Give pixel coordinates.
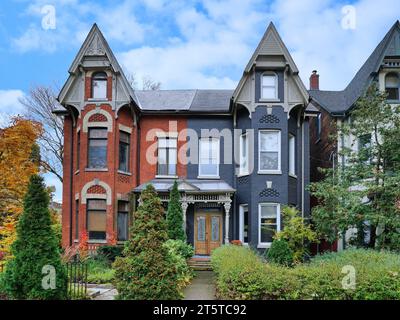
(99, 270)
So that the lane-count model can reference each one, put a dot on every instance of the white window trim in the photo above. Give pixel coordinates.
(269, 73)
(174, 176)
(278, 222)
(244, 171)
(241, 222)
(290, 156)
(216, 176)
(278, 171)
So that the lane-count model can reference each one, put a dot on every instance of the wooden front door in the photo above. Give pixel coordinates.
(207, 232)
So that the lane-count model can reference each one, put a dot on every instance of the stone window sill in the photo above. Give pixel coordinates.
(96, 169)
(124, 173)
(269, 172)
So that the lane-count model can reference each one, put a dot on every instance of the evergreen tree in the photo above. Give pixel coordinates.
(146, 271)
(175, 216)
(36, 271)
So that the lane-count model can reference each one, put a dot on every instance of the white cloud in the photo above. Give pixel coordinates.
(10, 105)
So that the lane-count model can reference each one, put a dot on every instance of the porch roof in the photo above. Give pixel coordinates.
(188, 186)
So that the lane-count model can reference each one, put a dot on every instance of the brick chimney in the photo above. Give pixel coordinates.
(314, 80)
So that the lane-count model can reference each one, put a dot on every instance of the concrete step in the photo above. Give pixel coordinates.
(200, 264)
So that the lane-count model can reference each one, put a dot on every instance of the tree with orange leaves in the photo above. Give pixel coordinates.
(19, 159)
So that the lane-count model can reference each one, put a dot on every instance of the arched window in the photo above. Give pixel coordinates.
(269, 86)
(99, 85)
(392, 85)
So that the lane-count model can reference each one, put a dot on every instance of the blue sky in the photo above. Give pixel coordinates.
(185, 44)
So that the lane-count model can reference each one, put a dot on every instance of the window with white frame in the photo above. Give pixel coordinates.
(392, 84)
(167, 156)
(292, 154)
(269, 86)
(269, 222)
(269, 149)
(244, 154)
(209, 157)
(244, 223)
(99, 85)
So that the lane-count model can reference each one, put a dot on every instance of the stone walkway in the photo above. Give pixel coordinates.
(201, 288)
(102, 292)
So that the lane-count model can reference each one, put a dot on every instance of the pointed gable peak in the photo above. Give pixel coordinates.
(271, 44)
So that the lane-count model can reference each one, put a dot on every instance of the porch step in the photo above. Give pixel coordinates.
(200, 264)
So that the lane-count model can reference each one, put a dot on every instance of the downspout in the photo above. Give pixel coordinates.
(302, 169)
(234, 213)
(138, 137)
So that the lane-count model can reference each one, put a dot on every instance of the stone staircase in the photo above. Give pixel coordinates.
(200, 263)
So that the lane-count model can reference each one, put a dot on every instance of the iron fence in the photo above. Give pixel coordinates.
(77, 279)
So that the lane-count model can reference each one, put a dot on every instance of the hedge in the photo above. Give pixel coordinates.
(242, 274)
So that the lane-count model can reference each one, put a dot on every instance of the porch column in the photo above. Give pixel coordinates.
(184, 205)
(227, 206)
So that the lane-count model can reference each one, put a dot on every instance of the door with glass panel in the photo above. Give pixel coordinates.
(207, 232)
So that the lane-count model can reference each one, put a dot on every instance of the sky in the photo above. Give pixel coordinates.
(187, 44)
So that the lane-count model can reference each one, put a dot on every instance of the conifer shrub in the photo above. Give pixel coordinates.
(146, 272)
(36, 252)
(175, 215)
(280, 253)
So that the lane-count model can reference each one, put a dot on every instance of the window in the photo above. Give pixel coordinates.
(76, 219)
(244, 154)
(97, 154)
(292, 154)
(122, 223)
(244, 223)
(124, 150)
(78, 150)
(99, 85)
(167, 156)
(269, 151)
(269, 222)
(269, 86)
(364, 147)
(96, 219)
(209, 157)
(392, 85)
(318, 126)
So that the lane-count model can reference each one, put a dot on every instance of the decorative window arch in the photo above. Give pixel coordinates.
(85, 195)
(108, 124)
(99, 85)
(392, 84)
(269, 86)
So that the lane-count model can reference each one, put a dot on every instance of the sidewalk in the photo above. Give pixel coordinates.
(202, 287)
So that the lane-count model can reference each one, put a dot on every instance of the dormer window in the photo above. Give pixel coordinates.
(99, 85)
(269, 86)
(392, 85)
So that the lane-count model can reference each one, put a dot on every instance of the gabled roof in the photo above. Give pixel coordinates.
(339, 102)
(208, 101)
(271, 44)
(95, 45)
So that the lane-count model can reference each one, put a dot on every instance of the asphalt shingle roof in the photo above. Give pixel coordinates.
(185, 100)
(338, 102)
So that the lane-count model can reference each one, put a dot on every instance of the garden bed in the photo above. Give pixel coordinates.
(242, 274)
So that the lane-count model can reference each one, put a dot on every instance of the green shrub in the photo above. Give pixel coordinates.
(146, 271)
(181, 247)
(179, 252)
(99, 270)
(175, 215)
(377, 276)
(35, 250)
(280, 253)
(110, 252)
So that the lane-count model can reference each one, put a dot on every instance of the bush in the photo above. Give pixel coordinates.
(280, 253)
(179, 252)
(35, 250)
(146, 271)
(110, 252)
(175, 215)
(99, 270)
(241, 274)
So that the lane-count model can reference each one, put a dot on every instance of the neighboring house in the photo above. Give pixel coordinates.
(383, 67)
(238, 155)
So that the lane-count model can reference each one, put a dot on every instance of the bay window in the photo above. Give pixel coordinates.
(244, 154)
(124, 151)
(96, 219)
(269, 222)
(292, 155)
(97, 148)
(122, 220)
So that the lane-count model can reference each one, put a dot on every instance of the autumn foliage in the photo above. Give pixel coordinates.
(19, 159)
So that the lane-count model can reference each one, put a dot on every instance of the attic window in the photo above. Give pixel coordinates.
(392, 86)
(99, 85)
(269, 86)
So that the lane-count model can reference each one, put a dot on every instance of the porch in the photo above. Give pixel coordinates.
(206, 207)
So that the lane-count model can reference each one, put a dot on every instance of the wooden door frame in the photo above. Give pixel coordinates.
(208, 215)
